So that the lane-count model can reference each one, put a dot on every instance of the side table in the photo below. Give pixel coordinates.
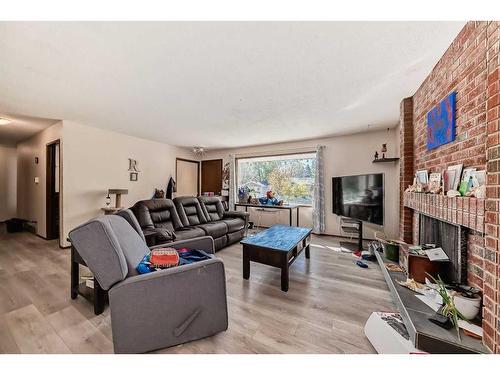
(99, 294)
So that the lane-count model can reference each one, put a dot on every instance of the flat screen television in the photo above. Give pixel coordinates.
(359, 197)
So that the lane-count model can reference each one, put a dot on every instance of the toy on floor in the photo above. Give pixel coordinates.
(361, 264)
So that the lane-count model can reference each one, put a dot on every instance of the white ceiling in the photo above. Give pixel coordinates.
(218, 84)
(21, 128)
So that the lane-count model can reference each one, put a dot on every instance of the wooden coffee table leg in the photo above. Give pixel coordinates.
(75, 275)
(246, 263)
(284, 273)
(308, 242)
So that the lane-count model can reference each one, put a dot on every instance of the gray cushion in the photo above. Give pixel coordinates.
(128, 215)
(132, 245)
(97, 241)
(234, 225)
(188, 233)
(214, 229)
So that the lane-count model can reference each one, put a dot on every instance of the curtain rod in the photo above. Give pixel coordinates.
(278, 152)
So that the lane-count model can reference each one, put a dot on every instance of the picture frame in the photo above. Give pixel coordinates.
(467, 174)
(435, 182)
(422, 176)
(478, 178)
(455, 173)
(449, 179)
(134, 176)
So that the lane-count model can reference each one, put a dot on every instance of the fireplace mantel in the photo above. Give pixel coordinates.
(463, 211)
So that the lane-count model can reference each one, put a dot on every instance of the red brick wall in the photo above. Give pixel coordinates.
(491, 265)
(406, 162)
(462, 69)
(470, 67)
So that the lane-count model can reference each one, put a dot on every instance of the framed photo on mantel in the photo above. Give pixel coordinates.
(422, 176)
(454, 172)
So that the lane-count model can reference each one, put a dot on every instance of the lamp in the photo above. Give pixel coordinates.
(118, 193)
(4, 121)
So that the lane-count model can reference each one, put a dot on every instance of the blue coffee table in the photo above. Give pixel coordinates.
(277, 246)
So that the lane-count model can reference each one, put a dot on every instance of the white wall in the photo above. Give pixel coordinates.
(344, 155)
(31, 199)
(8, 183)
(96, 160)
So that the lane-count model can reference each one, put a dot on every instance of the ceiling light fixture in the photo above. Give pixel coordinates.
(198, 150)
(4, 121)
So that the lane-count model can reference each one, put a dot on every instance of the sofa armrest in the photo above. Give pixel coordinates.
(237, 214)
(154, 236)
(169, 307)
(205, 243)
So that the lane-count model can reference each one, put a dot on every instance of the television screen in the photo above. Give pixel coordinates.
(359, 197)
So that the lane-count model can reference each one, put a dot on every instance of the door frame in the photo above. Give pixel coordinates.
(197, 174)
(49, 214)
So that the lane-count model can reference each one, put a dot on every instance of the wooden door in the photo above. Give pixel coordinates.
(211, 176)
(187, 177)
(52, 190)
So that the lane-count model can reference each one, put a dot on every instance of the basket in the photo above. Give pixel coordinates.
(391, 247)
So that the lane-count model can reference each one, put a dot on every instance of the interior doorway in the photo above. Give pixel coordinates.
(187, 177)
(211, 176)
(53, 184)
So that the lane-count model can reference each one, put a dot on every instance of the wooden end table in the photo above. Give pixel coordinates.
(99, 295)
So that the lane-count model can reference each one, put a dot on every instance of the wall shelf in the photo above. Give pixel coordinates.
(384, 160)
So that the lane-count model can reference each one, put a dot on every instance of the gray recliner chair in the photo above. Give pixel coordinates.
(158, 309)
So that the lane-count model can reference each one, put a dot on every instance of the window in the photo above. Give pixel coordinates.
(289, 177)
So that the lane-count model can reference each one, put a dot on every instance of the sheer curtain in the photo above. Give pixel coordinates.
(232, 187)
(319, 193)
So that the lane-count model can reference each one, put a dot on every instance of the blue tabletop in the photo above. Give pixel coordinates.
(278, 237)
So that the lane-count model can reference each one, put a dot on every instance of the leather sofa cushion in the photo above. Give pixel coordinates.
(235, 236)
(190, 211)
(157, 213)
(220, 242)
(214, 229)
(234, 225)
(187, 233)
(212, 207)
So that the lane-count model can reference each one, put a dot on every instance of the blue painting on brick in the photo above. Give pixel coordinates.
(441, 123)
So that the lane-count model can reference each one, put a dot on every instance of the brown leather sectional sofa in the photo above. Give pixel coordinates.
(165, 220)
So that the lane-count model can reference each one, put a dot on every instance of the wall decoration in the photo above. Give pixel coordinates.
(132, 165)
(134, 176)
(441, 122)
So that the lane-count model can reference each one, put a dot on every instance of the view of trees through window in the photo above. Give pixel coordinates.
(290, 177)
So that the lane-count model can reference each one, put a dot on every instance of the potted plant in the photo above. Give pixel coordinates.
(449, 308)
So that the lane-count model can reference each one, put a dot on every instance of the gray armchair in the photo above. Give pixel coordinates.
(158, 309)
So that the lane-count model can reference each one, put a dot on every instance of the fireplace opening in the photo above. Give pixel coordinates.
(453, 239)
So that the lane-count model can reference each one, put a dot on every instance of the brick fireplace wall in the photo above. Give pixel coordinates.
(470, 67)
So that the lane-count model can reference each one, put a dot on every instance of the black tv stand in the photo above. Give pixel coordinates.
(352, 226)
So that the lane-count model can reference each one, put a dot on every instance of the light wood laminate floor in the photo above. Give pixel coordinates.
(324, 311)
